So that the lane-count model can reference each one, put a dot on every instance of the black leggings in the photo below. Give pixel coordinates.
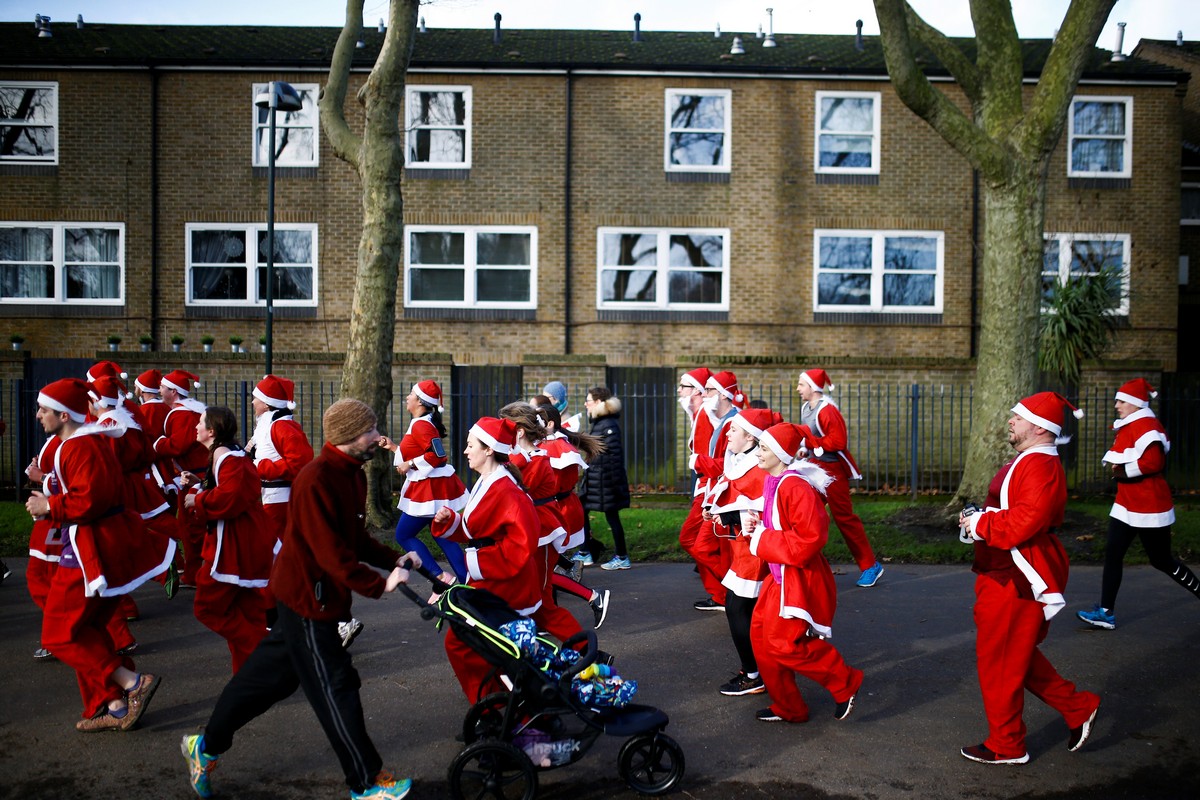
(1157, 543)
(613, 517)
(738, 611)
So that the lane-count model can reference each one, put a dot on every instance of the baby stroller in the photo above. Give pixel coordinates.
(540, 713)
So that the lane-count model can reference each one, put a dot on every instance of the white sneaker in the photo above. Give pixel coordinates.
(349, 631)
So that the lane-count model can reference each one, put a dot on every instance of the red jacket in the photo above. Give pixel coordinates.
(432, 482)
(178, 441)
(1138, 457)
(241, 542)
(826, 437)
(326, 543)
(45, 540)
(281, 450)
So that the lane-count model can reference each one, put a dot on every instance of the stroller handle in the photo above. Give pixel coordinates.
(438, 584)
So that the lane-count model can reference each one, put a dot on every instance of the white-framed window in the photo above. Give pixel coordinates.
(62, 263)
(227, 264)
(1189, 207)
(1100, 137)
(438, 132)
(1082, 256)
(847, 133)
(28, 122)
(878, 271)
(697, 130)
(677, 269)
(465, 266)
(296, 132)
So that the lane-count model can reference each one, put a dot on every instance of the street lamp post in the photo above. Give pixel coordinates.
(279, 96)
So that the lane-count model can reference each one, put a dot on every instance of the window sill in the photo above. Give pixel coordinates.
(836, 178)
(697, 177)
(875, 318)
(466, 314)
(285, 172)
(425, 174)
(1099, 183)
(16, 170)
(248, 312)
(59, 310)
(660, 315)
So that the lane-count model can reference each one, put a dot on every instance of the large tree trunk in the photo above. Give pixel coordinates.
(378, 157)
(1006, 366)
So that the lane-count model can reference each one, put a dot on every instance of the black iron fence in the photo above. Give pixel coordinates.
(907, 439)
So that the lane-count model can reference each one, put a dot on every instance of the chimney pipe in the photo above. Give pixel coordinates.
(79, 22)
(1179, 39)
(858, 40)
(44, 32)
(637, 27)
(717, 33)
(421, 24)
(382, 26)
(737, 48)
(770, 40)
(496, 33)
(1117, 54)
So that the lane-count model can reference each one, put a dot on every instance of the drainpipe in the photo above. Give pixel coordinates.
(154, 79)
(567, 263)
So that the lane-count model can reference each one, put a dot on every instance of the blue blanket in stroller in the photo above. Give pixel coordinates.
(597, 686)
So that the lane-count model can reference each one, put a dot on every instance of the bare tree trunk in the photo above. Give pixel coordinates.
(379, 159)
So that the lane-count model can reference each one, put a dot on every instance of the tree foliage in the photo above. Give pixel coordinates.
(1008, 137)
(1078, 323)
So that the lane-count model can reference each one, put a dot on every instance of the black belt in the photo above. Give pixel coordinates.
(564, 495)
(544, 500)
(112, 512)
(275, 484)
(482, 541)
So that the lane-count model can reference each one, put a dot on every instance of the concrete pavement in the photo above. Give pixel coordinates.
(912, 635)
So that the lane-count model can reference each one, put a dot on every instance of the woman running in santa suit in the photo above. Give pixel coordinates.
(541, 482)
(241, 543)
(499, 528)
(430, 482)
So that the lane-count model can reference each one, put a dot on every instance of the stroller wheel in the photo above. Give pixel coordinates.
(492, 770)
(485, 719)
(651, 763)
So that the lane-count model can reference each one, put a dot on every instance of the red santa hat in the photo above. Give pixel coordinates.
(696, 379)
(1137, 392)
(106, 391)
(817, 379)
(726, 383)
(181, 381)
(105, 368)
(783, 440)
(430, 394)
(148, 381)
(498, 434)
(276, 392)
(756, 420)
(69, 395)
(1046, 410)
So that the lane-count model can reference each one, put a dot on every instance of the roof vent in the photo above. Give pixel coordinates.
(637, 27)
(759, 35)
(1179, 39)
(496, 32)
(858, 40)
(421, 24)
(382, 26)
(770, 40)
(717, 32)
(43, 27)
(737, 48)
(79, 22)
(1117, 54)
(361, 43)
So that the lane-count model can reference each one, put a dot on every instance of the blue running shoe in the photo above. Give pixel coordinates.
(1100, 617)
(386, 788)
(870, 576)
(616, 562)
(200, 764)
(582, 557)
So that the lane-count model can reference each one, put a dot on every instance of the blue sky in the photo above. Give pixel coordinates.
(1153, 19)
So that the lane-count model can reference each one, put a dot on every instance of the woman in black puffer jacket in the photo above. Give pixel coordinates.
(605, 485)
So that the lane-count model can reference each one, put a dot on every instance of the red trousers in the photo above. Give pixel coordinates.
(784, 650)
(697, 540)
(842, 510)
(235, 612)
(550, 616)
(38, 575)
(76, 629)
(191, 536)
(470, 668)
(1008, 632)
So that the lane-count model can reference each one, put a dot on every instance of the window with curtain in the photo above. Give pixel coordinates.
(227, 265)
(438, 130)
(697, 130)
(1100, 137)
(847, 132)
(878, 271)
(1087, 256)
(465, 266)
(296, 132)
(28, 122)
(663, 268)
(62, 262)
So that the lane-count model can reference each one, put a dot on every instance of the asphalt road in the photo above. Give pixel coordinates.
(912, 635)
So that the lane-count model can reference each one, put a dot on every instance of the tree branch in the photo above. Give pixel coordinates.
(332, 103)
(1001, 67)
(961, 68)
(1073, 48)
(915, 90)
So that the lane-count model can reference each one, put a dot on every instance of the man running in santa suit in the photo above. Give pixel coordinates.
(691, 399)
(1021, 569)
(179, 444)
(154, 414)
(824, 430)
(107, 553)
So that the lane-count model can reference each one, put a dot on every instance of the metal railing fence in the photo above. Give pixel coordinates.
(906, 438)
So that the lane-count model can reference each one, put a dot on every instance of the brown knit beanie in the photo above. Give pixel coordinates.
(346, 420)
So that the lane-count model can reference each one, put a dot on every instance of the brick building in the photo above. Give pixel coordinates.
(580, 193)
